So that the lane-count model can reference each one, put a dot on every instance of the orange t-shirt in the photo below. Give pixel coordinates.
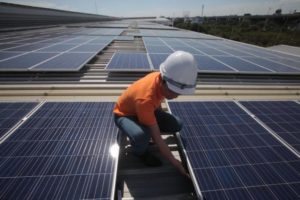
(141, 99)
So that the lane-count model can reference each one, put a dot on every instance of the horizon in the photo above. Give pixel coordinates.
(171, 9)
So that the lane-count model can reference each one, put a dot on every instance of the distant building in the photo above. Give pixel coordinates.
(197, 20)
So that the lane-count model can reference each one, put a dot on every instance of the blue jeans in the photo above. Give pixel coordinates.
(139, 135)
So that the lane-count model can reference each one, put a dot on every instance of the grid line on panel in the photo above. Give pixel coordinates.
(12, 113)
(129, 62)
(221, 165)
(281, 116)
(69, 166)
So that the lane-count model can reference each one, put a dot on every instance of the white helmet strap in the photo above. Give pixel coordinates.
(177, 84)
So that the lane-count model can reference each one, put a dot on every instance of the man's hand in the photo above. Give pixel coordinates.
(180, 167)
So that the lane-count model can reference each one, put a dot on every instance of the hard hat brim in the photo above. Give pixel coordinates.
(177, 90)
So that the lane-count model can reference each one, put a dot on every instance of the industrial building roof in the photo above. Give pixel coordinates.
(72, 68)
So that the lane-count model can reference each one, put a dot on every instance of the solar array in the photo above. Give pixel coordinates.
(219, 56)
(128, 62)
(50, 52)
(281, 116)
(231, 156)
(61, 152)
(12, 113)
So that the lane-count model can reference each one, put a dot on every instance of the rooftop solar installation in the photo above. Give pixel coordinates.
(231, 156)
(128, 62)
(64, 62)
(61, 152)
(159, 49)
(12, 113)
(207, 63)
(283, 117)
(70, 54)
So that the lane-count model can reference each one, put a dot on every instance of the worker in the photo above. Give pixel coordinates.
(138, 113)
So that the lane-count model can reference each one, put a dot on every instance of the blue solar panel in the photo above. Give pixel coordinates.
(157, 59)
(58, 48)
(232, 156)
(5, 55)
(61, 152)
(187, 49)
(158, 49)
(283, 117)
(12, 113)
(29, 47)
(89, 48)
(23, 62)
(65, 62)
(208, 50)
(277, 67)
(241, 65)
(206, 63)
(129, 61)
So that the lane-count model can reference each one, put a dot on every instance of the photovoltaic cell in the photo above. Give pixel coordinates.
(89, 48)
(187, 49)
(157, 59)
(232, 156)
(23, 62)
(272, 65)
(12, 113)
(4, 55)
(206, 63)
(241, 65)
(65, 62)
(129, 61)
(283, 117)
(61, 152)
(158, 49)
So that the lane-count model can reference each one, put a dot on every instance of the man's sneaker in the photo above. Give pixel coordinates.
(150, 160)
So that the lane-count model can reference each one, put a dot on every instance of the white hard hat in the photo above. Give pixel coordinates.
(179, 71)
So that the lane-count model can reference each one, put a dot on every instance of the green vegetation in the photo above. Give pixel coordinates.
(262, 31)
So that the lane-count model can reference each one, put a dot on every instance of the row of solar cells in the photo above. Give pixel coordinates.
(232, 155)
(69, 49)
(57, 53)
(211, 55)
(62, 151)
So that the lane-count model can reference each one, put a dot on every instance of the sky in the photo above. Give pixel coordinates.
(168, 8)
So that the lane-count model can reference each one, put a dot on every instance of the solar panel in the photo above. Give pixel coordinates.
(5, 55)
(61, 152)
(157, 59)
(187, 49)
(241, 65)
(23, 62)
(12, 113)
(158, 49)
(65, 62)
(58, 48)
(128, 62)
(206, 63)
(231, 156)
(283, 117)
(89, 48)
(272, 65)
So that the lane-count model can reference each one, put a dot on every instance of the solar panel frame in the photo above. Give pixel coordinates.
(129, 62)
(11, 113)
(216, 190)
(31, 181)
(24, 61)
(62, 62)
(281, 117)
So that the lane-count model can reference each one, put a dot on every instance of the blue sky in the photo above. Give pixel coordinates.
(176, 8)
